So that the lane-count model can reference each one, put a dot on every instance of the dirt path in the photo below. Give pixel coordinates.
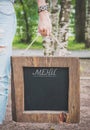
(84, 109)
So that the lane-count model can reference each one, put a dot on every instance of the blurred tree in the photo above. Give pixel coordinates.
(64, 27)
(80, 17)
(87, 39)
(28, 37)
(27, 18)
(59, 29)
(49, 43)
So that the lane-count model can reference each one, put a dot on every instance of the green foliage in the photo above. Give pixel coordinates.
(59, 1)
(27, 19)
(30, 8)
(73, 2)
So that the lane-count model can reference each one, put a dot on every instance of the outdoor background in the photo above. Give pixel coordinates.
(71, 26)
(70, 21)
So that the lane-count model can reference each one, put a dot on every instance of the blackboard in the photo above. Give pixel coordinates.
(46, 88)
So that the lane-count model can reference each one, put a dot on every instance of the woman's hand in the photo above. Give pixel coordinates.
(44, 26)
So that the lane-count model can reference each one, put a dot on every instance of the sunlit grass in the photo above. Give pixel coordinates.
(72, 44)
(19, 45)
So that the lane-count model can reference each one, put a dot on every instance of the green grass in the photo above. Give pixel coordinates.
(72, 44)
(19, 45)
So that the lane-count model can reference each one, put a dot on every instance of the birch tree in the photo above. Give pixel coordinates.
(61, 49)
(60, 28)
(49, 43)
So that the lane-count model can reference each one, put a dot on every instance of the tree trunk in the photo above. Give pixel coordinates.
(49, 43)
(26, 22)
(59, 29)
(87, 39)
(80, 17)
(63, 27)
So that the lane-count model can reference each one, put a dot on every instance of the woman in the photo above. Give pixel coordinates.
(7, 32)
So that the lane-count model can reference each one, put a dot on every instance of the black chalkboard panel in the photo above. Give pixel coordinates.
(46, 88)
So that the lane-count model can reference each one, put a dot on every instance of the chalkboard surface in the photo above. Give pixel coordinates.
(46, 88)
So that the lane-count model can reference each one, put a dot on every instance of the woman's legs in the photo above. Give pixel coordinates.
(7, 31)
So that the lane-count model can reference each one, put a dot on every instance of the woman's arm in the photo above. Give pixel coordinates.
(44, 25)
(41, 2)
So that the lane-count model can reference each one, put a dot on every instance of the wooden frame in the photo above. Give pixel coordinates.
(17, 88)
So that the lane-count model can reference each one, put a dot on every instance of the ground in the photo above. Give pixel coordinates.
(84, 108)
